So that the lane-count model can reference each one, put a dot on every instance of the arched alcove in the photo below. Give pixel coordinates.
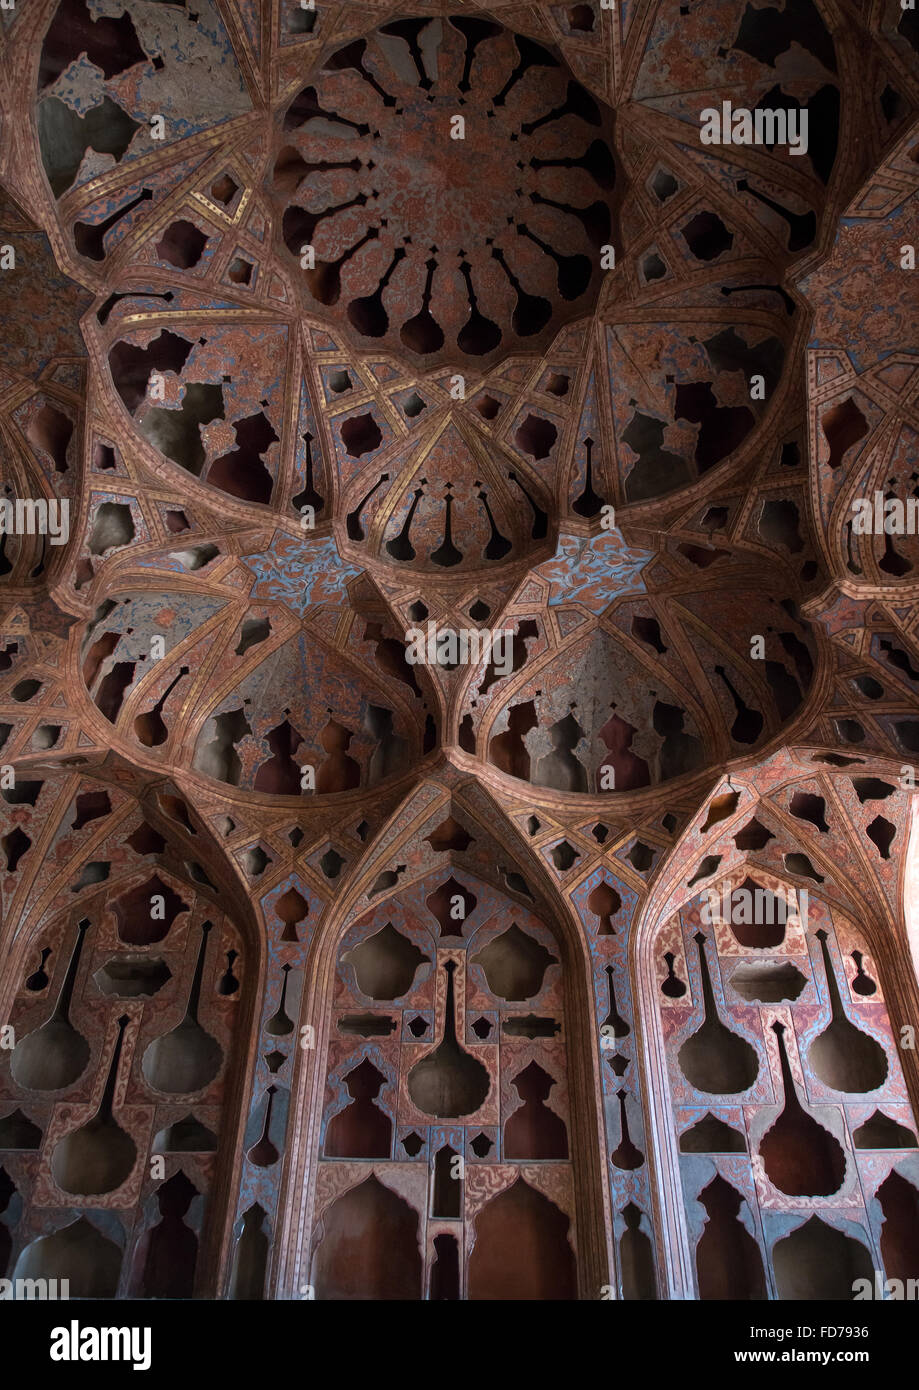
(125, 1017)
(785, 972)
(450, 1057)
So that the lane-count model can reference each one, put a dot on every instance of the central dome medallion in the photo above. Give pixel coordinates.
(455, 184)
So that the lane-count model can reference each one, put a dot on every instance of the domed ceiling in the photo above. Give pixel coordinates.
(430, 319)
(327, 327)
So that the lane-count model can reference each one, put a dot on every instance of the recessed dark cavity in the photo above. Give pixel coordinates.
(728, 1261)
(187, 1058)
(514, 964)
(800, 1156)
(146, 913)
(879, 1131)
(765, 982)
(449, 1081)
(673, 986)
(712, 1136)
(385, 964)
(55, 1054)
(133, 977)
(843, 1056)
(362, 1129)
(715, 1059)
(99, 1156)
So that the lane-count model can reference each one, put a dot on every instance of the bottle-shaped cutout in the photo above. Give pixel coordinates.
(604, 902)
(673, 986)
(540, 524)
(589, 502)
(352, 56)
(449, 1081)
(862, 984)
(263, 1153)
(324, 281)
(151, 727)
(614, 1025)
(532, 312)
(626, 1154)
(39, 978)
(55, 1054)
(353, 522)
(498, 545)
(89, 238)
(367, 313)
(802, 226)
(844, 1057)
(187, 1058)
(478, 335)
(229, 983)
(99, 1156)
(280, 1024)
(422, 333)
(748, 724)
(573, 272)
(597, 160)
(309, 497)
(715, 1059)
(799, 1156)
(400, 547)
(447, 553)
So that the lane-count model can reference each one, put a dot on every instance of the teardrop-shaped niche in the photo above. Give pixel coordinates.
(715, 1059)
(449, 1081)
(56, 1054)
(843, 1056)
(187, 1058)
(800, 1156)
(99, 1156)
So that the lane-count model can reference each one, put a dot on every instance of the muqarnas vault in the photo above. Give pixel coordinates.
(330, 973)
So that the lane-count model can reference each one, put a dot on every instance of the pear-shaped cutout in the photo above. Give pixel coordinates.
(99, 1156)
(800, 1156)
(187, 1058)
(264, 1153)
(714, 1059)
(844, 1057)
(514, 964)
(614, 1025)
(626, 1155)
(385, 963)
(449, 1081)
(56, 1054)
(280, 1023)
